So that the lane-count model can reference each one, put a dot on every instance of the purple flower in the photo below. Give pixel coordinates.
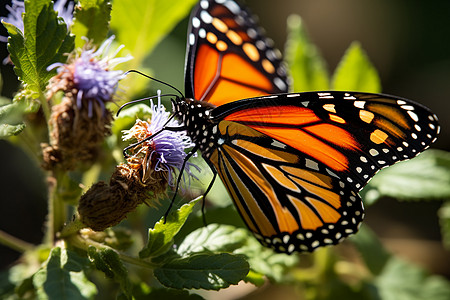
(166, 151)
(18, 8)
(92, 76)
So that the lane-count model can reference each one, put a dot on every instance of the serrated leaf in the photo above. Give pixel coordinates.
(62, 277)
(92, 21)
(107, 260)
(307, 67)
(444, 220)
(203, 271)
(214, 237)
(44, 41)
(160, 238)
(141, 24)
(400, 280)
(424, 177)
(355, 72)
(372, 251)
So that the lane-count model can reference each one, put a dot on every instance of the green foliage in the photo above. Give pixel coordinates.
(11, 115)
(203, 271)
(91, 21)
(355, 72)
(180, 252)
(160, 238)
(425, 177)
(62, 277)
(307, 67)
(401, 280)
(108, 261)
(45, 40)
(141, 24)
(444, 218)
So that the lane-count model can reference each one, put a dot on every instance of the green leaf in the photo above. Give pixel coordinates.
(11, 116)
(424, 177)
(144, 292)
(372, 251)
(355, 72)
(160, 238)
(214, 237)
(128, 116)
(92, 21)
(444, 220)
(265, 261)
(307, 67)
(44, 41)
(62, 277)
(141, 24)
(108, 261)
(400, 280)
(203, 271)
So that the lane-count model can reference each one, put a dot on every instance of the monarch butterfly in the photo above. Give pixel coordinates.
(293, 163)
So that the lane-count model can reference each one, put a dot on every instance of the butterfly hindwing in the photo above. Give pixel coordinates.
(286, 198)
(228, 58)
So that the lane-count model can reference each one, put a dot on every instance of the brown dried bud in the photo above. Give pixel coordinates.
(104, 205)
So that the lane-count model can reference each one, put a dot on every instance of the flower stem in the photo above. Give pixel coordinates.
(14, 243)
(56, 208)
(72, 228)
(45, 107)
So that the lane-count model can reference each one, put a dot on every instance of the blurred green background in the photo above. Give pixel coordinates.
(407, 41)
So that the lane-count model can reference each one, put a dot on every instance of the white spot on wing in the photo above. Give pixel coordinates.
(206, 17)
(359, 104)
(280, 83)
(311, 164)
(233, 7)
(202, 33)
(195, 22)
(413, 115)
(277, 144)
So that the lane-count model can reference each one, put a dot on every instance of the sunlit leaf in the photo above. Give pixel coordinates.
(160, 238)
(91, 21)
(424, 177)
(205, 271)
(355, 72)
(62, 277)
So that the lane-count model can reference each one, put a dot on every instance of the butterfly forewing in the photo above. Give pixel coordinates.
(353, 134)
(228, 58)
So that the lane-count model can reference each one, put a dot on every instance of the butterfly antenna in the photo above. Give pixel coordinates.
(143, 99)
(157, 80)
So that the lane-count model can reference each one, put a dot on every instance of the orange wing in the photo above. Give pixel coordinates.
(228, 58)
(294, 163)
(288, 200)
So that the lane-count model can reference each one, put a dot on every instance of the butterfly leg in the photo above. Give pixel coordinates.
(180, 176)
(204, 195)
